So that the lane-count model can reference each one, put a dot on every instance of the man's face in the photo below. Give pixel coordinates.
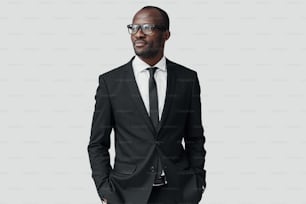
(150, 45)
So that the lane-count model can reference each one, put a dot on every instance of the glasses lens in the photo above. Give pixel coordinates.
(133, 28)
(147, 28)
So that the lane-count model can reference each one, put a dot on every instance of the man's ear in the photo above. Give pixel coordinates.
(166, 35)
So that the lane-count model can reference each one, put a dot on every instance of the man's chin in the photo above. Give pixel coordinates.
(144, 54)
(139, 51)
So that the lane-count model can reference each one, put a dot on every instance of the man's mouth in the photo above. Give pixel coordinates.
(139, 43)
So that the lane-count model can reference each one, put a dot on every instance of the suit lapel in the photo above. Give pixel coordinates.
(135, 94)
(170, 92)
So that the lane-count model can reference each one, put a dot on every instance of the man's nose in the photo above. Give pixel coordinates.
(139, 33)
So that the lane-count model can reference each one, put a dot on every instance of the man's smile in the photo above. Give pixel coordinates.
(139, 43)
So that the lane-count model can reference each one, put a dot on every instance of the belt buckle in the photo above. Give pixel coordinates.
(163, 181)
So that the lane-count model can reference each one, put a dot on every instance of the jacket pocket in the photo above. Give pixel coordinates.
(124, 168)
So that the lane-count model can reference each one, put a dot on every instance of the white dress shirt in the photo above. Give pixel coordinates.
(142, 76)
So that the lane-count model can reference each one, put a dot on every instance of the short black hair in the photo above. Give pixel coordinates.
(164, 15)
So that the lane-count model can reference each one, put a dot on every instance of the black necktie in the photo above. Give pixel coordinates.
(153, 97)
(154, 116)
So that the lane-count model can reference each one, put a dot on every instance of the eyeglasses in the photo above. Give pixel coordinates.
(145, 28)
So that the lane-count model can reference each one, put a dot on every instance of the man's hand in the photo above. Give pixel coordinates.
(104, 201)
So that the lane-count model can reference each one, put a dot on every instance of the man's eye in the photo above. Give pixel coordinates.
(147, 27)
(135, 27)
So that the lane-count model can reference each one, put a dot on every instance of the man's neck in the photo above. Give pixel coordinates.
(152, 60)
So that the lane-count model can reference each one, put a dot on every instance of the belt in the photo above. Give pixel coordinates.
(160, 181)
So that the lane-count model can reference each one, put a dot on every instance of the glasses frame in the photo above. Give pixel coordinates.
(152, 26)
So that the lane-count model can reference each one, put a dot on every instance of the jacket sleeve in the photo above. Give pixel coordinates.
(194, 135)
(99, 144)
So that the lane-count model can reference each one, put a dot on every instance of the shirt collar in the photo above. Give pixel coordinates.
(140, 65)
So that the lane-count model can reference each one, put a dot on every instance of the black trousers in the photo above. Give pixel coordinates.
(161, 196)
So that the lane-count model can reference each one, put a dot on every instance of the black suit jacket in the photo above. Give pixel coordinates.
(138, 144)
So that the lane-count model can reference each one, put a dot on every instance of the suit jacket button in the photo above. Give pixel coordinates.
(152, 168)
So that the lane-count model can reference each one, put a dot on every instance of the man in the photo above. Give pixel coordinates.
(152, 104)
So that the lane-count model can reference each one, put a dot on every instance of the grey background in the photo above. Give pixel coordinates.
(250, 58)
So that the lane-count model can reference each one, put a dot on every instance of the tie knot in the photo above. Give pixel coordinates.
(152, 70)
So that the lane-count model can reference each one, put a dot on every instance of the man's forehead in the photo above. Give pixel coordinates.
(150, 15)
